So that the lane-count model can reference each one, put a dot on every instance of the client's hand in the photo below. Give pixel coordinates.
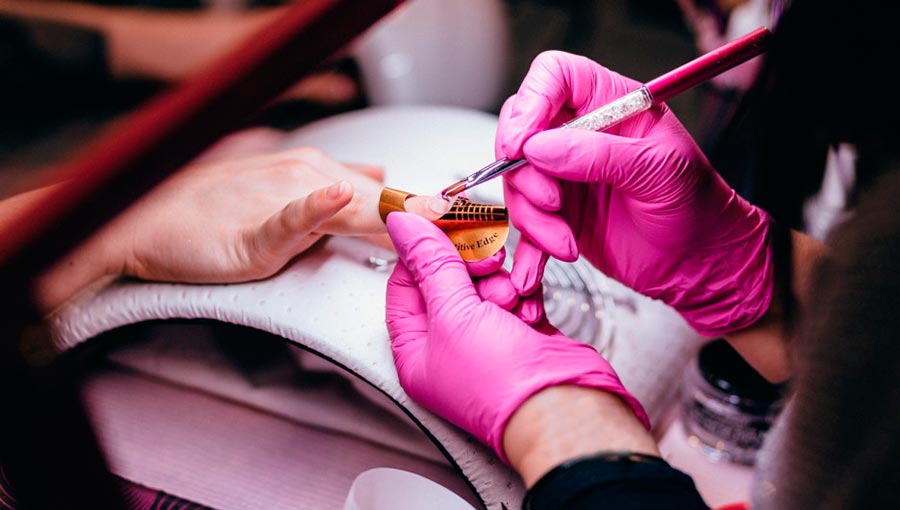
(241, 219)
(224, 218)
(640, 200)
(468, 359)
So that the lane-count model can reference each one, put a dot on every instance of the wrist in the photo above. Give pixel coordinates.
(765, 343)
(733, 287)
(86, 264)
(565, 422)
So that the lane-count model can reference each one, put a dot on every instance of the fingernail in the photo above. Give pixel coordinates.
(573, 248)
(439, 205)
(528, 312)
(336, 190)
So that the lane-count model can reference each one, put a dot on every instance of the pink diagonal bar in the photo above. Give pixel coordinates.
(45, 438)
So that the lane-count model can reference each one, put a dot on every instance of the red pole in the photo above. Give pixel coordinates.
(166, 133)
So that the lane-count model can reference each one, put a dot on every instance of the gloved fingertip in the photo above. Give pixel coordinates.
(497, 289)
(566, 250)
(399, 222)
(531, 310)
(488, 265)
(570, 254)
(524, 279)
(404, 227)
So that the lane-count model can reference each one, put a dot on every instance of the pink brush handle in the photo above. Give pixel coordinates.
(654, 92)
(705, 67)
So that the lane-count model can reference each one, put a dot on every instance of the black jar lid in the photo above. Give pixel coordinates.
(725, 369)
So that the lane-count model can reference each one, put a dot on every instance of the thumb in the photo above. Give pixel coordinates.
(588, 156)
(406, 320)
(434, 262)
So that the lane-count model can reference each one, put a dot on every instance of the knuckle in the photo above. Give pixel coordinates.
(291, 169)
(556, 61)
(312, 155)
(550, 56)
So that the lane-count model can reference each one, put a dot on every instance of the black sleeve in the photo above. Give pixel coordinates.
(614, 482)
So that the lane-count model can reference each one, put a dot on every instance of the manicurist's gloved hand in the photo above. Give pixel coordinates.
(640, 201)
(468, 359)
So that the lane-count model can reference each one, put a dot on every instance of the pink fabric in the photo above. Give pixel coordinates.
(468, 359)
(134, 497)
(640, 201)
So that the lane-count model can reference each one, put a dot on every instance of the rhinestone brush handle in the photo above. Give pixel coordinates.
(614, 112)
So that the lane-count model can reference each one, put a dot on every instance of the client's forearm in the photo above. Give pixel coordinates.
(565, 422)
(765, 344)
(86, 264)
(78, 269)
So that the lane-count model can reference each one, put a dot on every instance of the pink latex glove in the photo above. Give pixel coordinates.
(640, 201)
(465, 358)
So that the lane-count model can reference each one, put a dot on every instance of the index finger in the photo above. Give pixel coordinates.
(557, 81)
(403, 300)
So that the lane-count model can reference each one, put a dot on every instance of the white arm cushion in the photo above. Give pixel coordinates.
(331, 300)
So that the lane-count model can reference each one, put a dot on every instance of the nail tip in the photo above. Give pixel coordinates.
(438, 205)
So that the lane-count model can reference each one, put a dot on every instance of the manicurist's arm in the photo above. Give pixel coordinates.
(765, 344)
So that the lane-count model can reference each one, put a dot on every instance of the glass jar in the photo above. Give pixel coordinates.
(727, 407)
